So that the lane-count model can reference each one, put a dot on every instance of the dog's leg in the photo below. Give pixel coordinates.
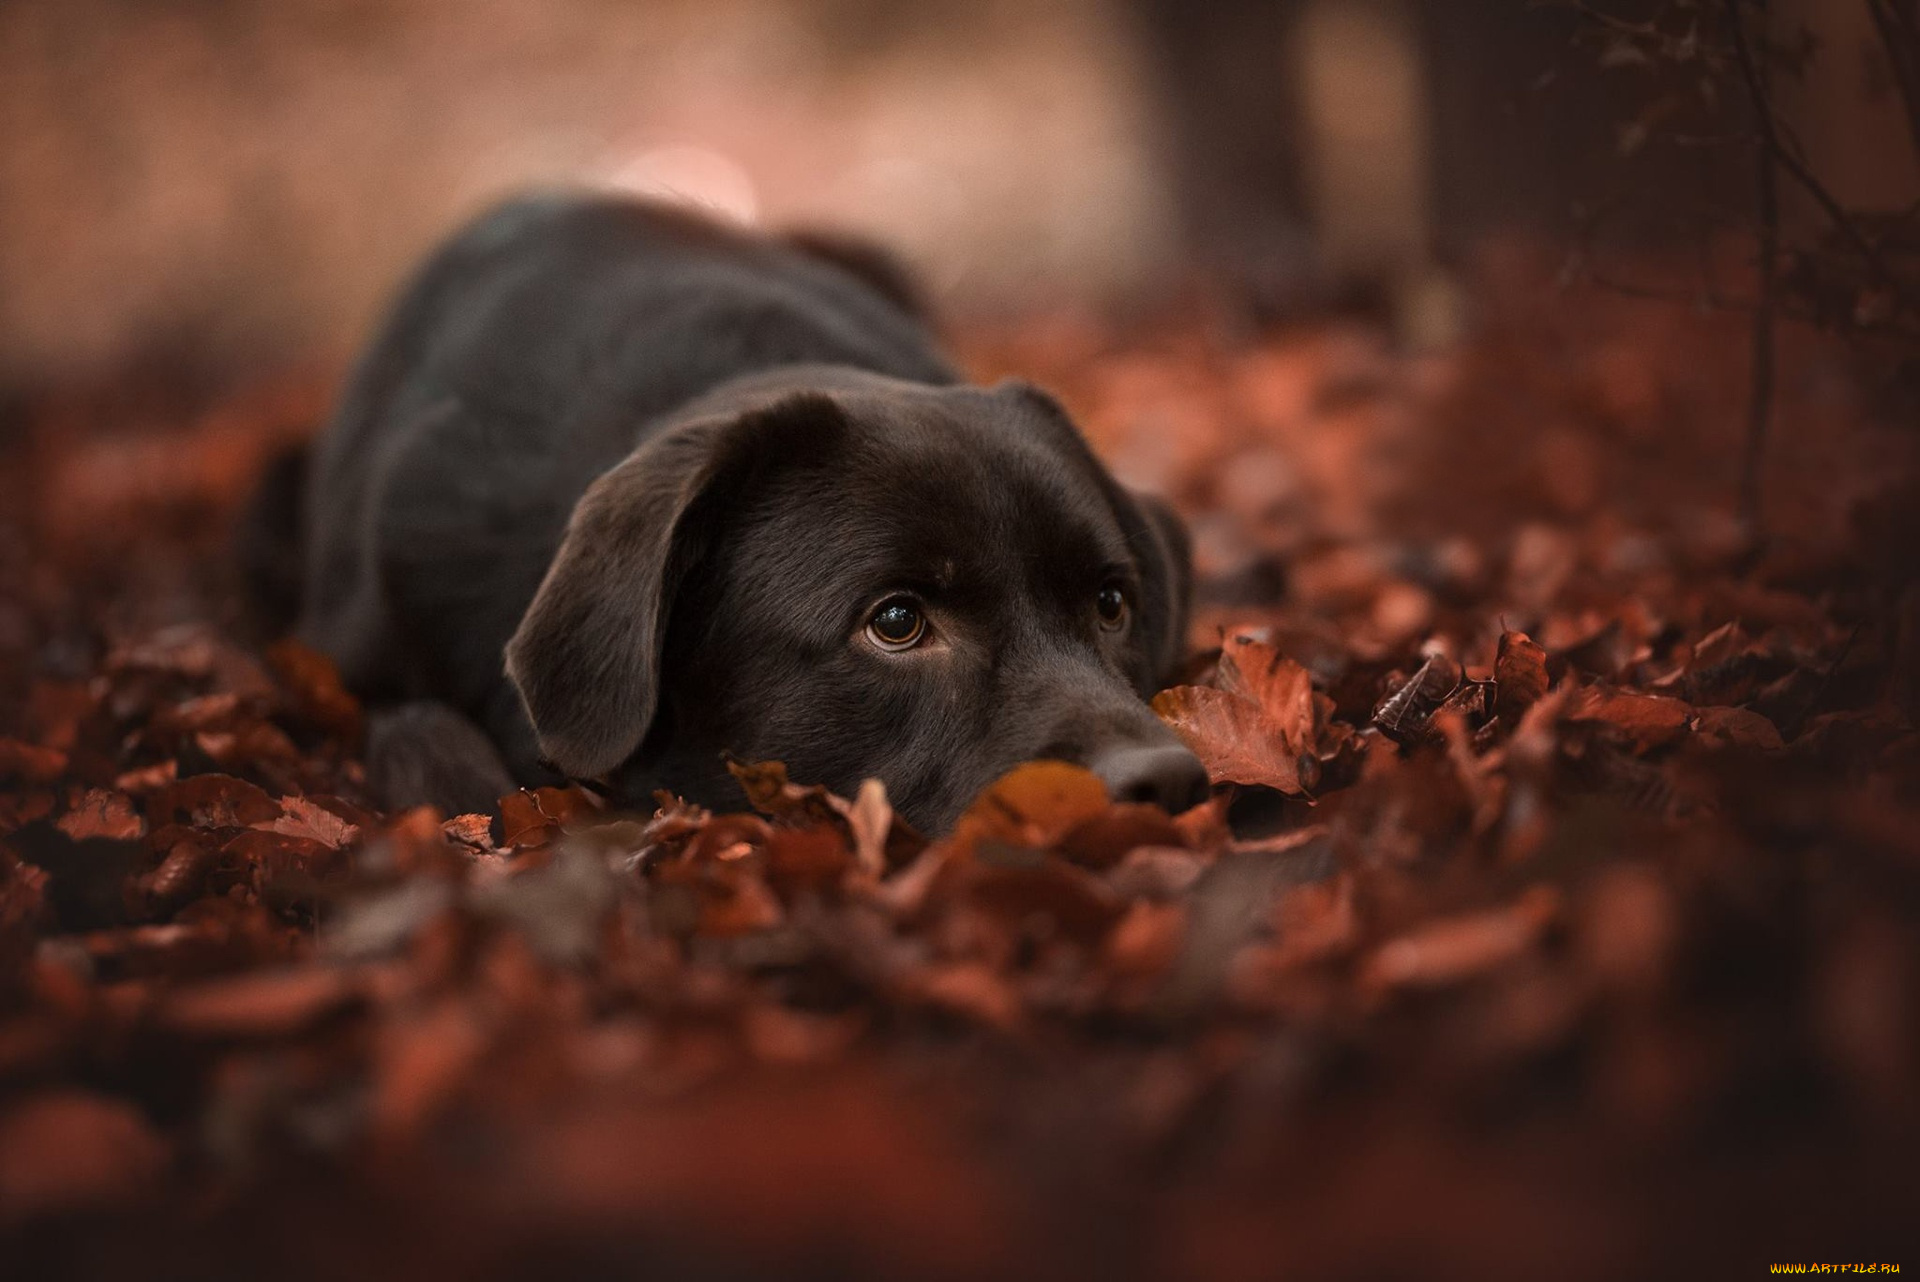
(427, 754)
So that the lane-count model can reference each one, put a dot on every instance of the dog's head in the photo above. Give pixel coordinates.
(927, 585)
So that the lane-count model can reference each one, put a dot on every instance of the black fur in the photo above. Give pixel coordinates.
(667, 470)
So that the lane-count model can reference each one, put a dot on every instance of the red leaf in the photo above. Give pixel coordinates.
(1647, 721)
(1233, 737)
(212, 801)
(315, 823)
(315, 690)
(1032, 806)
(102, 814)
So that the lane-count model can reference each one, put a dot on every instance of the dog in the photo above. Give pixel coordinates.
(618, 491)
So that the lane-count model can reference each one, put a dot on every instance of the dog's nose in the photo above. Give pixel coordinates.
(1165, 775)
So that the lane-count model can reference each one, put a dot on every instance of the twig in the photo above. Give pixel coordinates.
(1600, 17)
(1708, 298)
(1900, 36)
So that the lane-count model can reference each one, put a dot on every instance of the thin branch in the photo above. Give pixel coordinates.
(1900, 37)
(1601, 17)
(1785, 306)
(1710, 299)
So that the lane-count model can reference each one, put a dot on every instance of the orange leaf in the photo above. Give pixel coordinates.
(1648, 720)
(1032, 806)
(1233, 737)
(1282, 688)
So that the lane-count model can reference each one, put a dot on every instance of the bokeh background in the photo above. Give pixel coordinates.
(200, 186)
(1436, 323)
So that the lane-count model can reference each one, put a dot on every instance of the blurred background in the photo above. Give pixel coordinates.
(1439, 323)
(201, 186)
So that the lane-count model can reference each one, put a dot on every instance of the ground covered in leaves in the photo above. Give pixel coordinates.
(1555, 916)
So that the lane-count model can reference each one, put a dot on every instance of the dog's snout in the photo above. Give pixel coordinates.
(1165, 775)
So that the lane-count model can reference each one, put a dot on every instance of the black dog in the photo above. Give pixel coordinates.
(630, 490)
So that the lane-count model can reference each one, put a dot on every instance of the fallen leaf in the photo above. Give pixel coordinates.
(1233, 738)
(1454, 949)
(1737, 728)
(67, 1150)
(102, 813)
(1032, 806)
(771, 793)
(1282, 688)
(315, 690)
(302, 818)
(30, 761)
(535, 816)
(267, 1004)
(871, 819)
(1646, 721)
(1406, 715)
(1519, 674)
(212, 801)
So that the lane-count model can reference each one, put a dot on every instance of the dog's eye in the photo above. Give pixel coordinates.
(897, 624)
(1112, 605)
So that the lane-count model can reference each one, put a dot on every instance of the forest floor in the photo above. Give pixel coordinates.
(1558, 916)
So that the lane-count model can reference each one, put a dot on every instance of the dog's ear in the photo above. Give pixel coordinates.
(1165, 555)
(586, 657)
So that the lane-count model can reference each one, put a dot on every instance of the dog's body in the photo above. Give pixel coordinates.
(671, 472)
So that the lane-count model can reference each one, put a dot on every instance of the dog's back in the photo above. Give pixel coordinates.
(529, 356)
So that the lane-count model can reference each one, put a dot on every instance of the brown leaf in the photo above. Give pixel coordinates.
(1032, 806)
(1101, 841)
(68, 1150)
(422, 1061)
(212, 801)
(263, 1005)
(247, 745)
(304, 818)
(31, 762)
(315, 690)
(147, 778)
(1406, 715)
(285, 867)
(203, 713)
(1233, 738)
(871, 819)
(737, 905)
(1458, 948)
(811, 857)
(970, 989)
(1048, 889)
(1282, 688)
(470, 830)
(1519, 674)
(535, 816)
(771, 793)
(1146, 940)
(1737, 728)
(1258, 724)
(102, 813)
(1646, 721)
(174, 881)
(1316, 920)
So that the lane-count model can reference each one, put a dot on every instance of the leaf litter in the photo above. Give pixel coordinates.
(1559, 887)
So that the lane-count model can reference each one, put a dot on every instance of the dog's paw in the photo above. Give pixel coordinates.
(427, 754)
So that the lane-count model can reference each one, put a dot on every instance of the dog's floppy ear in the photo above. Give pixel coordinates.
(586, 657)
